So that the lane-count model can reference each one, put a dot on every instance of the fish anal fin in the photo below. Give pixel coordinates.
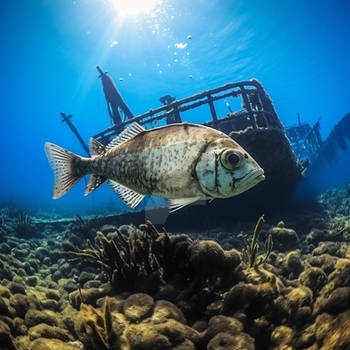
(96, 148)
(130, 197)
(129, 132)
(94, 182)
(178, 203)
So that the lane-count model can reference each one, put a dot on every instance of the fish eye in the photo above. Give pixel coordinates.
(230, 159)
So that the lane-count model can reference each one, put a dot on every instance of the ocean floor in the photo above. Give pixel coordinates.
(265, 284)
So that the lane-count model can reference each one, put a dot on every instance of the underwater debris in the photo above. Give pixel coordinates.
(338, 138)
(249, 253)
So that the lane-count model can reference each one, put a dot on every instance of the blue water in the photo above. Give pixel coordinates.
(299, 50)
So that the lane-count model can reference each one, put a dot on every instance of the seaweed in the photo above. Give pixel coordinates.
(250, 251)
(129, 263)
(97, 327)
(23, 225)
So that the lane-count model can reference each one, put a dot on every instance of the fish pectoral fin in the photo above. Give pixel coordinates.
(178, 203)
(94, 182)
(129, 132)
(130, 197)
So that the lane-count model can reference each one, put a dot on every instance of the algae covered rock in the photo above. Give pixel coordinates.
(227, 341)
(314, 278)
(51, 344)
(43, 330)
(145, 336)
(6, 340)
(138, 306)
(222, 324)
(34, 317)
(283, 238)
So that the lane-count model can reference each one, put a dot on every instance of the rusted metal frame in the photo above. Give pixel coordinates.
(248, 107)
(106, 134)
(177, 103)
(244, 113)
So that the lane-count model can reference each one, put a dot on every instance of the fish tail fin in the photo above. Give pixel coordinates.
(65, 167)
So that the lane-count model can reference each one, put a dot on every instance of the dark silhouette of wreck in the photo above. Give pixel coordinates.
(283, 153)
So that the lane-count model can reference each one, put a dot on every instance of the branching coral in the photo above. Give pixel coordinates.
(23, 225)
(96, 328)
(250, 252)
(130, 264)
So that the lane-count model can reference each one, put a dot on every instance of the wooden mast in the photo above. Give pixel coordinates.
(67, 119)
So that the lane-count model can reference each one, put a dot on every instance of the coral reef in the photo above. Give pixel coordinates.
(133, 288)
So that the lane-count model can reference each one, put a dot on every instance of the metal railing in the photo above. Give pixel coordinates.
(257, 109)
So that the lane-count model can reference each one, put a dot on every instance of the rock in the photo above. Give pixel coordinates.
(294, 264)
(4, 310)
(185, 345)
(298, 297)
(50, 304)
(208, 254)
(177, 332)
(5, 292)
(226, 341)
(222, 324)
(52, 294)
(15, 287)
(331, 248)
(163, 310)
(68, 285)
(19, 327)
(5, 248)
(32, 281)
(282, 335)
(314, 278)
(145, 336)
(244, 295)
(316, 236)
(41, 253)
(86, 276)
(6, 337)
(302, 316)
(105, 229)
(22, 303)
(336, 302)
(20, 253)
(68, 246)
(337, 332)
(51, 344)
(90, 296)
(34, 317)
(92, 284)
(283, 238)
(43, 330)
(138, 306)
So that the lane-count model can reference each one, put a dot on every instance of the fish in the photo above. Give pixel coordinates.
(181, 162)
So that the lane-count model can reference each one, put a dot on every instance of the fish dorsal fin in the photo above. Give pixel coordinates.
(96, 148)
(94, 182)
(131, 131)
(130, 197)
(176, 204)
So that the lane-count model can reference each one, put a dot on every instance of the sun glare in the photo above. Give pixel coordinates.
(126, 8)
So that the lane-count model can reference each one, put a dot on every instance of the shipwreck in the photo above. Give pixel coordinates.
(285, 153)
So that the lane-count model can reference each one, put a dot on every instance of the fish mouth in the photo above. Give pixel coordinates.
(254, 176)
